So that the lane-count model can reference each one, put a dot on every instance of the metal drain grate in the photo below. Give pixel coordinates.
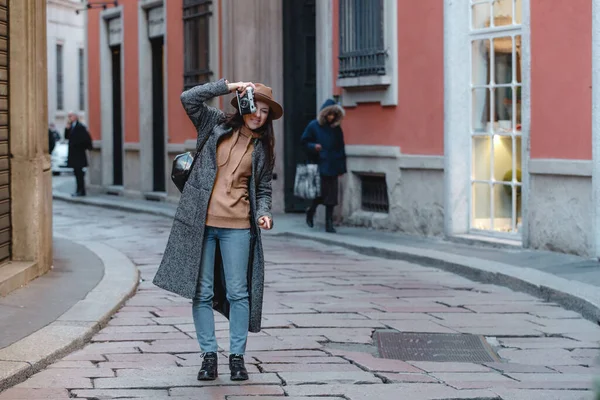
(440, 347)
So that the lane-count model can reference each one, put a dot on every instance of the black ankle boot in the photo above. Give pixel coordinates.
(208, 371)
(310, 215)
(237, 368)
(329, 220)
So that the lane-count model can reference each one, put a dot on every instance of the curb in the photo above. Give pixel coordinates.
(572, 295)
(91, 201)
(75, 327)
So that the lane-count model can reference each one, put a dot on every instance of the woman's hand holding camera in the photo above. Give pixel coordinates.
(240, 87)
(265, 223)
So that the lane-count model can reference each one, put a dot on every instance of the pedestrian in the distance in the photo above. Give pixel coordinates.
(225, 201)
(53, 137)
(324, 139)
(79, 141)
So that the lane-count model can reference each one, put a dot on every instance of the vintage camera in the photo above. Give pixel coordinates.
(246, 102)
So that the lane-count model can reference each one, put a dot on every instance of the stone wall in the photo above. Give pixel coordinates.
(31, 179)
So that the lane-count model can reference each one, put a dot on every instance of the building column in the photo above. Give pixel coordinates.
(457, 140)
(596, 126)
(324, 9)
(31, 179)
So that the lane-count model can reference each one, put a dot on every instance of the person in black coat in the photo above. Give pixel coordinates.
(79, 141)
(324, 139)
(53, 138)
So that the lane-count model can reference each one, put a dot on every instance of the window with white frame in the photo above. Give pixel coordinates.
(496, 115)
(368, 51)
(81, 79)
(59, 78)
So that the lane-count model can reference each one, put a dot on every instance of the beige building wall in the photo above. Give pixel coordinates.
(30, 176)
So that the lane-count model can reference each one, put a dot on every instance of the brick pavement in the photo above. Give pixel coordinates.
(321, 307)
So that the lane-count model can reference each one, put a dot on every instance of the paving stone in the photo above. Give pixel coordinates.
(307, 378)
(585, 379)
(134, 314)
(412, 391)
(129, 308)
(383, 316)
(123, 337)
(333, 321)
(518, 394)
(49, 381)
(154, 379)
(72, 364)
(500, 331)
(173, 320)
(423, 309)
(280, 398)
(221, 392)
(538, 357)
(419, 326)
(139, 329)
(300, 360)
(555, 313)
(187, 328)
(429, 366)
(127, 321)
(586, 353)
(286, 353)
(271, 343)
(138, 361)
(584, 337)
(374, 364)
(18, 393)
(171, 347)
(570, 326)
(81, 355)
(575, 369)
(522, 368)
(544, 343)
(407, 378)
(122, 394)
(453, 377)
(309, 367)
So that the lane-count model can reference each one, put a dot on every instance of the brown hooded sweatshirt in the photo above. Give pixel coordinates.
(229, 205)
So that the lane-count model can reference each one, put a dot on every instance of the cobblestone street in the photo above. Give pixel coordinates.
(322, 305)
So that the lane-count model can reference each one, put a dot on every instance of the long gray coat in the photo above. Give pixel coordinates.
(180, 266)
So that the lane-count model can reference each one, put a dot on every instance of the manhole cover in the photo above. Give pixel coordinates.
(440, 347)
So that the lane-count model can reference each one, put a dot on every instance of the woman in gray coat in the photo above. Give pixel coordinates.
(214, 253)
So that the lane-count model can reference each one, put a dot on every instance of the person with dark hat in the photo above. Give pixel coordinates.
(214, 254)
(324, 139)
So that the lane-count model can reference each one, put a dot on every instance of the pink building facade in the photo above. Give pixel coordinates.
(471, 118)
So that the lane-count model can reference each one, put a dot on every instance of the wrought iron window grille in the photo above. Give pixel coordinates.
(362, 47)
(374, 193)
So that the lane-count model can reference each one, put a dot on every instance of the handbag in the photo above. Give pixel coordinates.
(183, 165)
(307, 184)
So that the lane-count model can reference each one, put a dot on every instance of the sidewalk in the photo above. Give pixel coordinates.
(569, 280)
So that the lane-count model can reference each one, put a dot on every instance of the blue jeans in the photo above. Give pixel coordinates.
(235, 251)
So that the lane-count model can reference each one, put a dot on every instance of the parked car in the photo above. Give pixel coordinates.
(58, 158)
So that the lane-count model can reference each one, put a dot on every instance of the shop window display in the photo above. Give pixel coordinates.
(496, 115)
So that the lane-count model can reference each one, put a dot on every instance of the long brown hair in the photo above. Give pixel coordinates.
(266, 132)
